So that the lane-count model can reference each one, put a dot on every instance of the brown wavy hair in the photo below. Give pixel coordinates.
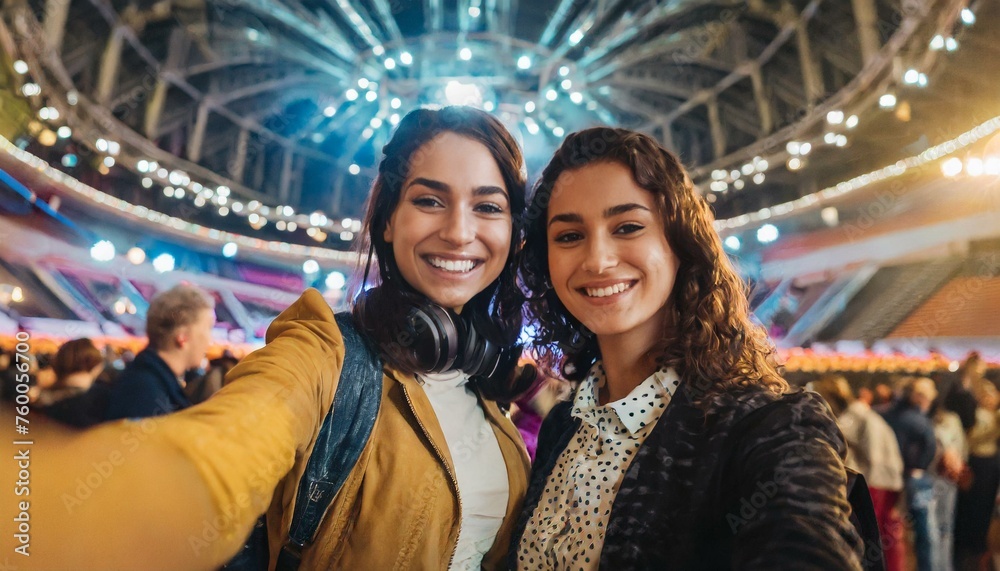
(711, 341)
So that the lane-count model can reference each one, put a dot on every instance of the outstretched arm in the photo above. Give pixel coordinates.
(179, 491)
(792, 477)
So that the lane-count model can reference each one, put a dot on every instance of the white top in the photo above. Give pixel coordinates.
(567, 527)
(479, 465)
(872, 448)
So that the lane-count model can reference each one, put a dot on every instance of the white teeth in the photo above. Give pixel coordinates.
(606, 291)
(461, 266)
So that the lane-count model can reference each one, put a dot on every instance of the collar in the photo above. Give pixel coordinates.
(148, 358)
(438, 382)
(640, 409)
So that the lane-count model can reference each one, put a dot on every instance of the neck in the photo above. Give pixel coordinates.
(175, 360)
(79, 380)
(628, 358)
(626, 364)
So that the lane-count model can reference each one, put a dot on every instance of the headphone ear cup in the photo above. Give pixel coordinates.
(482, 354)
(473, 350)
(435, 338)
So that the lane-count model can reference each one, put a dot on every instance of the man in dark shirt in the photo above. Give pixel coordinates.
(179, 327)
(915, 433)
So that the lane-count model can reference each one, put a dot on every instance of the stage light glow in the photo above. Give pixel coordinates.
(136, 255)
(103, 251)
(164, 263)
(336, 280)
(767, 233)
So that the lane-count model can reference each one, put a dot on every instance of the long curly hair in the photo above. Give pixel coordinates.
(710, 340)
(499, 305)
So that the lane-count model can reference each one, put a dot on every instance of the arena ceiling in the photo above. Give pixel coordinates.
(288, 102)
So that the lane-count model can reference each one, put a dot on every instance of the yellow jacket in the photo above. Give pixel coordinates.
(182, 491)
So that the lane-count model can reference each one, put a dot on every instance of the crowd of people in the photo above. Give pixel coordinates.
(379, 438)
(82, 384)
(928, 449)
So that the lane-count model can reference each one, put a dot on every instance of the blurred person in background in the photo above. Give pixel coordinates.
(915, 434)
(76, 365)
(961, 398)
(74, 398)
(45, 375)
(866, 396)
(948, 471)
(873, 451)
(203, 384)
(179, 327)
(884, 398)
(7, 375)
(532, 408)
(975, 504)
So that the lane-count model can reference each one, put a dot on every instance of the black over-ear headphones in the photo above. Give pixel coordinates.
(432, 339)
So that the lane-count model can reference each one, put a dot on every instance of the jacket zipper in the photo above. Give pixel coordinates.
(447, 469)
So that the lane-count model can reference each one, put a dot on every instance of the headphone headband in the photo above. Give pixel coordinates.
(433, 339)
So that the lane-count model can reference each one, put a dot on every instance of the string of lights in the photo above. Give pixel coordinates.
(217, 237)
(991, 165)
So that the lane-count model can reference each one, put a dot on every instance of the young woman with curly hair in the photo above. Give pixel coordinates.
(682, 448)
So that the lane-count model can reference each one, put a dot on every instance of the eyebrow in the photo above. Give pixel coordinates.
(443, 187)
(608, 213)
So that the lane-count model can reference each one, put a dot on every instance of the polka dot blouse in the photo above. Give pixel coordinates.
(567, 527)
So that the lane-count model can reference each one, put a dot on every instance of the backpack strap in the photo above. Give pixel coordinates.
(342, 437)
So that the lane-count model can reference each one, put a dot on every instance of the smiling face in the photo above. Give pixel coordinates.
(609, 260)
(451, 231)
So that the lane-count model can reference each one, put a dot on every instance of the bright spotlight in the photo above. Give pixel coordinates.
(458, 93)
(103, 251)
(336, 280)
(767, 233)
(230, 249)
(163, 263)
(952, 167)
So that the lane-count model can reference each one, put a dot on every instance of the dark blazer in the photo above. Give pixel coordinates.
(751, 481)
(147, 387)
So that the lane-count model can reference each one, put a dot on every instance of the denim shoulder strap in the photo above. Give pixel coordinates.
(343, 435)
